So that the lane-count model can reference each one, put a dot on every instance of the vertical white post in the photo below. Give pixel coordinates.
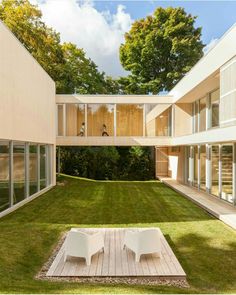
(26, 170)
(191, 165)
(86, 119)
(234, 173)
(220, 171)
(11, 178)
(144, 119)
(64, 119)
(115, 119)
(208, 168)
(198, 167)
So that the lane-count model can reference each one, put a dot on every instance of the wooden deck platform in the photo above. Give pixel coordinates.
(116, 262)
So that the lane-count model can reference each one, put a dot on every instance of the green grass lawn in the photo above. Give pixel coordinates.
(205, 247)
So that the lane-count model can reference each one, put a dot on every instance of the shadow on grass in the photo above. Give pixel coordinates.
(209, 261)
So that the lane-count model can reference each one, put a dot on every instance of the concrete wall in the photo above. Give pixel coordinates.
(182, 119)
(27, 94)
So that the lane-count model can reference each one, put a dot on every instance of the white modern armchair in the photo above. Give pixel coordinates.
(80, 244)
(143, 242)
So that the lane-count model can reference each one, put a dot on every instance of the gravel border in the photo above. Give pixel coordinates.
(150, 281)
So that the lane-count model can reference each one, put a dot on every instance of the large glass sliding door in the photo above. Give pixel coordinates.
(33, 169)
(19, 185)
(43, 166)
(4, 176)
(227, 173)
(215, 157)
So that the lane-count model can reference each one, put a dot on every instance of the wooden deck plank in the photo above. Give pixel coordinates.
(116, 261)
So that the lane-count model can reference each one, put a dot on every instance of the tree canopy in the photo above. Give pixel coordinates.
(159, 50)
(67, 64)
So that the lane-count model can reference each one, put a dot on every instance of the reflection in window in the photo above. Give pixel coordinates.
(215, 98)
(43, 182)
(100, 120)
(215, 170)
(4, 176)
(195, 116)
(60, 120)
(202, 114)
(227, 173)
(33, 170)
(18, 172)
(75, 117)
(129, 119)
(163, 123)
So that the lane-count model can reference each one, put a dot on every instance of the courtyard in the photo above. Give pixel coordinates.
(204, 246)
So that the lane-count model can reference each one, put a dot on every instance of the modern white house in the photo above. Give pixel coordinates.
(193, 127)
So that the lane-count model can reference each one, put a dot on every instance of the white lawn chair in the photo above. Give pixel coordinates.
(80, 244)
(143, 242)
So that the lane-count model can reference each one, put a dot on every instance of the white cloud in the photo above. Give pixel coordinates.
(210, 45)
(99, 33)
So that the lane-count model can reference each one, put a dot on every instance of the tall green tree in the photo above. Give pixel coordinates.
(160, 49)
(67, 64)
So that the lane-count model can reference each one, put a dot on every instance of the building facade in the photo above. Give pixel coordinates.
(193, 128)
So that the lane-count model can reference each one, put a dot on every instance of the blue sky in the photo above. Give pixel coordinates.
(99, 26)
(215, 17)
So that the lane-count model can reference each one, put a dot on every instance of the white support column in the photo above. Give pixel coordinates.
(208, 168)
(26, 170)
(198, 167)
(64, 119)
(38, 166)
(234, 173)
(11, 178)
(115, 119)
(191, 165)
(86, 119)
(220, 171)
(144, 119)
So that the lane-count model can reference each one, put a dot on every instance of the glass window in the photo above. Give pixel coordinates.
(33, 170)
(215, 100)
(195, 116)
(227, 173)
(60, 120)
(18, 172)
(75, 119)
(100, 120)
(4, 176)
(215, 170)
(129, 119)
(203, 167)
(163, 123)
(43, 181)
(195, 160)
(202, 114)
